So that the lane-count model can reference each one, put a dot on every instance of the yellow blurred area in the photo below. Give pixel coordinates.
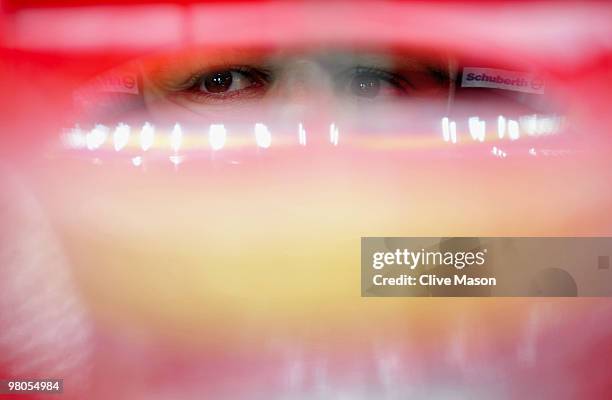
(273, 245)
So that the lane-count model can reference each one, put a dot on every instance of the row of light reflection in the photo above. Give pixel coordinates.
(76, 138)
(531, 125)
(217, 136)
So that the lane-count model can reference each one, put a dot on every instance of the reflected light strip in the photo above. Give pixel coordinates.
(301, 134)
(75, 138)
(529, 124)
(445, 129)
(121, 136)
(216, 136)
(263, 137)
(537, 125)
(501, 126)
(477, 128)
(453, 131)
(147, 136)
(334, 134)
(96, 137)
(176, 137)
(513, 130)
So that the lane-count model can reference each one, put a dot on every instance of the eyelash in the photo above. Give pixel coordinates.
(258, 76)
(398, 81)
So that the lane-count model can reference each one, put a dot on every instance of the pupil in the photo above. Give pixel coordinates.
(365, 85)
(218, 82)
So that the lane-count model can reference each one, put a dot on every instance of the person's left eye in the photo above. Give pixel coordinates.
(370, 83)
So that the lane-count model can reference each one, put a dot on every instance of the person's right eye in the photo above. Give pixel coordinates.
(226, 84)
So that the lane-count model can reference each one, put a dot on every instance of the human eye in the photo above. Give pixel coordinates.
(222, 85)
(371, 82)
(393, 81)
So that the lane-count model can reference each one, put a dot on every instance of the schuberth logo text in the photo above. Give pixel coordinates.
(502, 79)
(111, 82)
(116, 82)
